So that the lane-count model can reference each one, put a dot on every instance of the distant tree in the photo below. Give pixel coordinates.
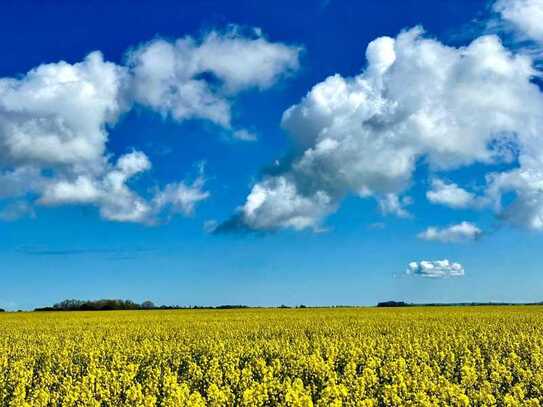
(148, 305)
(2, 310)
(69, 305)
(229, 306)
(392, 304)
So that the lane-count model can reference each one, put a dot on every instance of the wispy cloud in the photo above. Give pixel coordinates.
(116, 253)
(464, 231)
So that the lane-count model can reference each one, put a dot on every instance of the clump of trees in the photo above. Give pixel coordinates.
(98, 305)
(2, 310)
(393, 304)
(111, 305)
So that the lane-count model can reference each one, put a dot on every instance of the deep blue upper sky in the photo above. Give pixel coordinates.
(70, 251)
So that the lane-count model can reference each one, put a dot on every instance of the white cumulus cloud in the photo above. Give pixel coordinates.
(170, 76)
(116, 201)
(460, 232)
(417, 101)
(109, 191)
(53, 130)
(56, 114)
(276, 203)
(450, 194)
(55, 120)
(435, 269)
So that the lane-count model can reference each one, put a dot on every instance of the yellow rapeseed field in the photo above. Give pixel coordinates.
(295, 357)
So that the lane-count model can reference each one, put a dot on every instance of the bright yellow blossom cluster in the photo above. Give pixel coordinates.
(439, 356)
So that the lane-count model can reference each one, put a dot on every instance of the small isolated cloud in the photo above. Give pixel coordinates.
(435, 269)
(461, 232)
(244, 135)
(449, 194)
(210, 226)
(181, 197)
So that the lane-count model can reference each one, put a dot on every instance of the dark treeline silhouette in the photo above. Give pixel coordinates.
(2, 310)
(98, 305)
(115, 304)
(392, 304)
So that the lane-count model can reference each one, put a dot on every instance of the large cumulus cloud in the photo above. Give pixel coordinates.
(56, 120)
(53, 131)
(417, 102)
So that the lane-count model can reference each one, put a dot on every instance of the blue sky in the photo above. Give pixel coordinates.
(116, 183)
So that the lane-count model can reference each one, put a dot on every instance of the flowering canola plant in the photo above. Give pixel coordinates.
(438, 356)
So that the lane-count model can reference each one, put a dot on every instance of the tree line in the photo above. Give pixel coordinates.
(98, 305)
(117, 304)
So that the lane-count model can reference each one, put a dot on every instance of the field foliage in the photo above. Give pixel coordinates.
(297, 357)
